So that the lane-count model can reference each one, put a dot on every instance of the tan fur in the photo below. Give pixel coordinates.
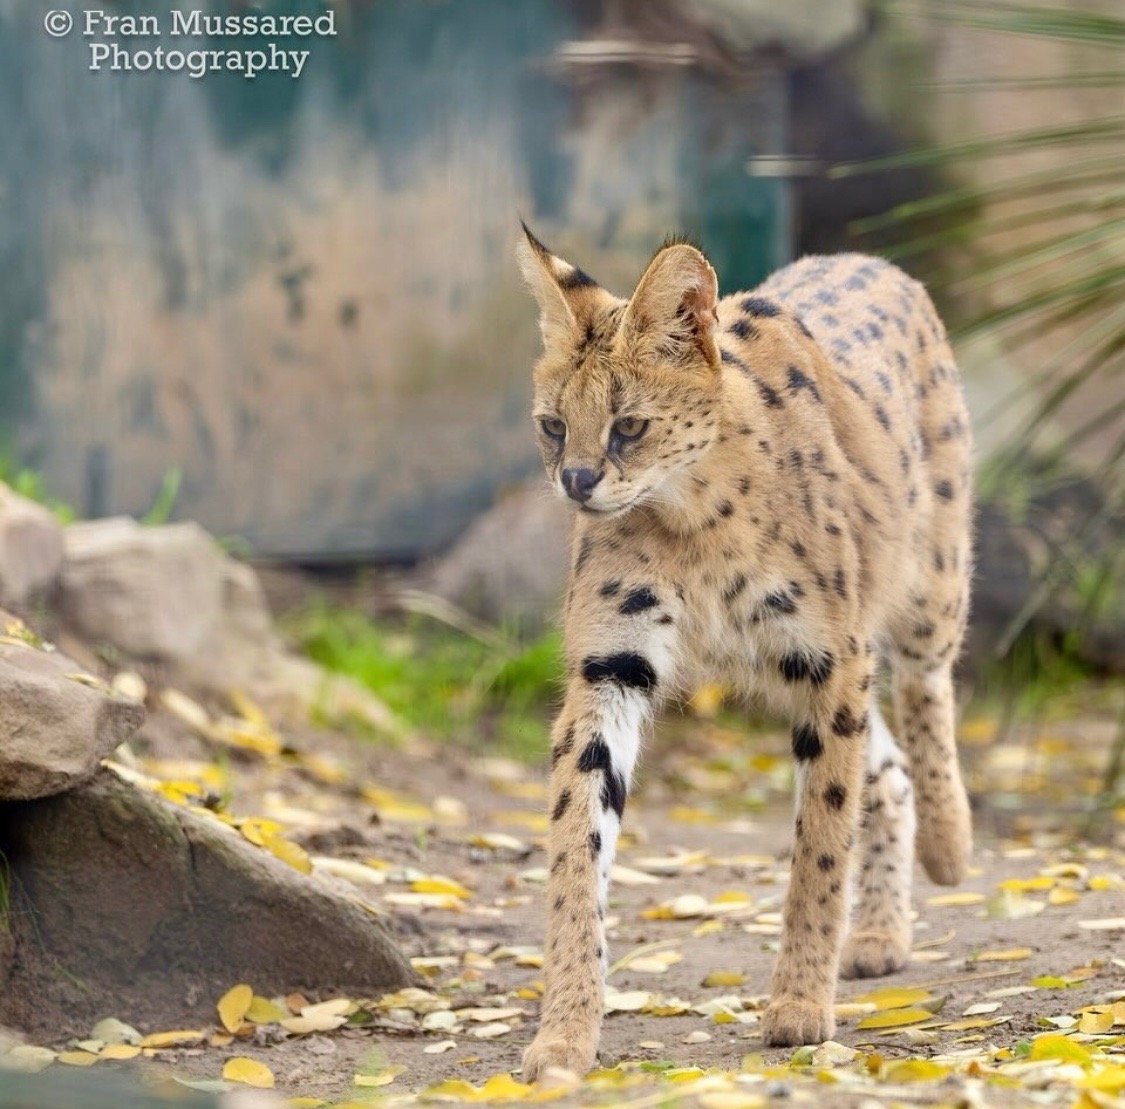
(797, 509)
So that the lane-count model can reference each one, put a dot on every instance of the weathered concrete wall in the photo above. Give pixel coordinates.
(301, 293)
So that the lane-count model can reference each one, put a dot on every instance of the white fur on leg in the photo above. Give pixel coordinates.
(881, 932)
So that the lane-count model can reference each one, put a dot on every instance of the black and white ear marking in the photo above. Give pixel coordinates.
(562, 291)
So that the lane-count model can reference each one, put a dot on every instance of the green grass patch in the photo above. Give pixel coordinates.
(29, 483)
(448, 683)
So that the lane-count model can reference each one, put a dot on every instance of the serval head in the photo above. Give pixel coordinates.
(626, 391)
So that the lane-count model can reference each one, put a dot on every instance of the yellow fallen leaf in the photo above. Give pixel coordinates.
(248, 709)
(1027, 885)
(915, 1070)
(384, 1078)
(334, 1007)
(895, 1018)
(120, 1051)
(290, 853)
(258, 829)
(972, 1023)
(304, 1026)
(1054, 1046)
(1060, 895)
(1106, 882)
(233, 1006)
(952, 900)
(249, 1072)
(500, 1087)
(437, 884)
(1095, 1021)
(76, 1058)
(1009, 955)
(178, 1038)
(724, 978)
(1108, 1079)
(685, 814)
(894, 997)
(249, 738)
(264, 1011)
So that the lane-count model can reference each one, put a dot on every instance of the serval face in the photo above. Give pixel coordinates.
(626, 393)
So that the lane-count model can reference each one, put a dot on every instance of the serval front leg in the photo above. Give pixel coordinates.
(610, 696)
(828, 744)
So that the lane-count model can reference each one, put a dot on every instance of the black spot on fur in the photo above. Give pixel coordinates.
(560, 805)
(736, 586)
(627, 669)
(844, 723)
(595, 845)
(637, 601)
(780, 602)
(759, 306)
(733, 360)
(770, 396)
(564, 747)
(614, 793)
(944, 489)
(584, 549)
(744, 329)
(726, 508)
(806, 743)
(814, 668)
(835, 796)
(798, 380)
(825, 862)
(595, 756)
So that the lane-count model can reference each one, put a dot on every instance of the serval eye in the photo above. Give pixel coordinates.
(553, 427)
(630, 427)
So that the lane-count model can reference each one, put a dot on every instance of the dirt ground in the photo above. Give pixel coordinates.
(449, 847)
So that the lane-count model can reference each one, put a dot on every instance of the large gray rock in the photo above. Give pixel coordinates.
(155, 593)
(56, 723)
(125, 904)
(171, 595)
(31, 548)
(510, 566)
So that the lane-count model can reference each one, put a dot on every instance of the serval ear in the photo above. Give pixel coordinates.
(672, 313)
(567, 296)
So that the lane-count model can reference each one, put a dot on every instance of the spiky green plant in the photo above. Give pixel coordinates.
(1061, 288)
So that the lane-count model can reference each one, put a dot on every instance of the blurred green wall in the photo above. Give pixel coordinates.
(301, 293)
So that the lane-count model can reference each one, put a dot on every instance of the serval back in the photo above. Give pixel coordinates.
(772, 490)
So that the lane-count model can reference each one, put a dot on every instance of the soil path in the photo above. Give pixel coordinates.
(1005, 970)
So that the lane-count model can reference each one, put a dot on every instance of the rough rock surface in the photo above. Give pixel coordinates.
(510, 566)
(31, 548)
(157, 911)
(56, 724)
(156, 593)
(171, 596)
